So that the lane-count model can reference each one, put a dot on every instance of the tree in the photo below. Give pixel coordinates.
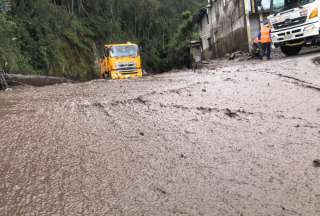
(60, 37)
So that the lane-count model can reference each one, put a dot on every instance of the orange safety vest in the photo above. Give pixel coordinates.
(265, 35)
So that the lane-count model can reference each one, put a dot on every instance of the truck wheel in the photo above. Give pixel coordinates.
(291, 51)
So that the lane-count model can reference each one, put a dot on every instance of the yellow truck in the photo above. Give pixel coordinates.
(121, 61)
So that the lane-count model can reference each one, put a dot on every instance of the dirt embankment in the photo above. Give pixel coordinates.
(17, 79)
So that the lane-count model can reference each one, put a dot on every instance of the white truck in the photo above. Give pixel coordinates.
(295, 24)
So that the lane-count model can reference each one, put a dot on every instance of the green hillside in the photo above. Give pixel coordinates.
(65, 38)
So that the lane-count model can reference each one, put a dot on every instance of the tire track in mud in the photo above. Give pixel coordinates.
(271, 70)
(298, 82)
(295, 80)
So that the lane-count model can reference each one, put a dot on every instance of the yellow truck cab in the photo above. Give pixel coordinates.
(121, 61)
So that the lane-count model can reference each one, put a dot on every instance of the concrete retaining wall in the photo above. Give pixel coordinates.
(230, 31)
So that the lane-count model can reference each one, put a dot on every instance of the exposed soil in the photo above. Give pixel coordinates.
(18, 79)
(237, 138)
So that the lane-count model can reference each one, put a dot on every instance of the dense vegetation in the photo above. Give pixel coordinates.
(65, 37)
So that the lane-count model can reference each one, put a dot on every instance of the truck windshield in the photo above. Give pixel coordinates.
(123, 51)
(281, 5)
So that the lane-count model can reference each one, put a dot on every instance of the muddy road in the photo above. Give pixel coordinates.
(234, 139)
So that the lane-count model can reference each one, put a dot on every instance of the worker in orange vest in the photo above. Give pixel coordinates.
(265, 41)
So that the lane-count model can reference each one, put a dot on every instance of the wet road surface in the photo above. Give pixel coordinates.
(233, 139)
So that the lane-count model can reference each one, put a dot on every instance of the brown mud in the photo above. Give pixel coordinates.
(235, 138)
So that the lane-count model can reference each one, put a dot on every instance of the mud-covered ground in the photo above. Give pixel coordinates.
(234, 139)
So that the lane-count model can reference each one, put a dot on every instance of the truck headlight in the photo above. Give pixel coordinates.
(314, 13)
(304, 12)
(309, 28)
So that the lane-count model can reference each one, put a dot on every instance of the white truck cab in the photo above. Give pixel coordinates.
(295, 23)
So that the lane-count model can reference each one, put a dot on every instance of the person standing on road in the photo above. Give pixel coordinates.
(265, 41)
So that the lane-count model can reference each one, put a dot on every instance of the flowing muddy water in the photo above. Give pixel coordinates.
(236, 138)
